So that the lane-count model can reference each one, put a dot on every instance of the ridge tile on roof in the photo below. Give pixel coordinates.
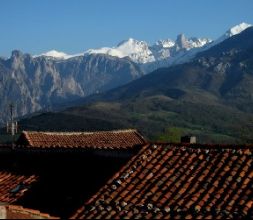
(19, 212)
(119, 139)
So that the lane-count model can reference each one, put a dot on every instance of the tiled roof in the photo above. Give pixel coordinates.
(5, 146)
(121, 139)
(168, 181)
(19, 212)
(13, 186)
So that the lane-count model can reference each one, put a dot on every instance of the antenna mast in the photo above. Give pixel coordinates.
(12, 126)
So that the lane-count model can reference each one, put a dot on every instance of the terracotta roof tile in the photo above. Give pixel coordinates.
(13, 186)
(19, 212)
(171, 181)
(121, 139)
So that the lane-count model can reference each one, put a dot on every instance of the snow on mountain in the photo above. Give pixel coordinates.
(231, 32)
(137, 51)
(106, 50)
(142, 53)
(237, 29)
(170, 52)
(165, 43)
(161, 53)
(198, 42)
(201, 44)
(58, 55)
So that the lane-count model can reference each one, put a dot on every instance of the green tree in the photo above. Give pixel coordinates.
(172, 134)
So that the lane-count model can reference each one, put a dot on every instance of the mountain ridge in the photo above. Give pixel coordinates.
(143, 53)
(211, 97)
(34, 84)
(41, 83)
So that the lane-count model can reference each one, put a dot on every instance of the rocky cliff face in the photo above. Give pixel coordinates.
(34, 84)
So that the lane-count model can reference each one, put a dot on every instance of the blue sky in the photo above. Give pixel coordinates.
(74, 26)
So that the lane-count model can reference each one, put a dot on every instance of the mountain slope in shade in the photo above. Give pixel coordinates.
(211, 97)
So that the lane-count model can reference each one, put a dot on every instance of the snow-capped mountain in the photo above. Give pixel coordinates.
(197, 45)
(184, 49)
(58, 55)
(231, 32)
(161, 53)
(142, 53)
(138, 51)
(237, 29)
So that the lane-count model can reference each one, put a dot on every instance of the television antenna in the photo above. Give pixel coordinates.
(12, 126)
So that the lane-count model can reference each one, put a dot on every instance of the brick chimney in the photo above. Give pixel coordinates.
(189, 139)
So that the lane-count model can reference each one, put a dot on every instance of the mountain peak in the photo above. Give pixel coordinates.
(181, 37)
(58, 55)
(165, 43)
(182, 41)
(141, 52)
(55, 54)
(130, 41)
(16, 53)
(237, 29)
